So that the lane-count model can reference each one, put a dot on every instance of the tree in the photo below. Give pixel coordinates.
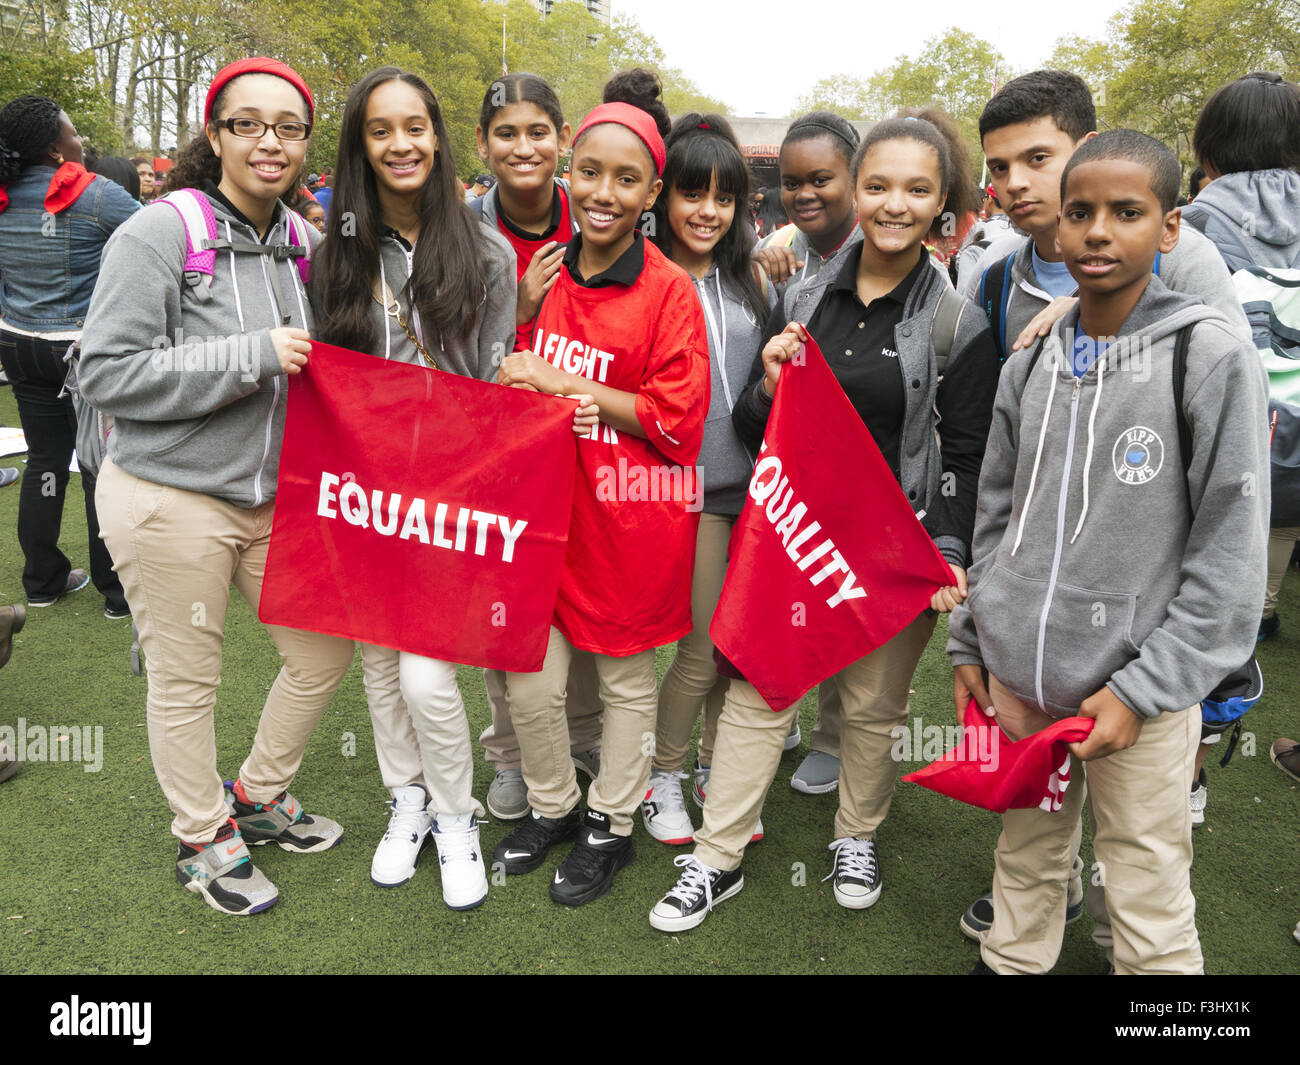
(843, 95)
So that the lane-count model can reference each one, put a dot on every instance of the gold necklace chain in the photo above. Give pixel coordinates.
(394, 310)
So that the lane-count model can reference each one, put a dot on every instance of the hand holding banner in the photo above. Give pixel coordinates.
(421, 511)
(827, 561)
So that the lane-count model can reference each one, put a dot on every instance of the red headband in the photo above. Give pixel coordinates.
(638, 121)
(256, 65)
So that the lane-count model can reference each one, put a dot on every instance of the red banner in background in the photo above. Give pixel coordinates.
(827, 561)
(420, 510)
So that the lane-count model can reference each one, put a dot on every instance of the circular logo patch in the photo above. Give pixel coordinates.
(1139, 453)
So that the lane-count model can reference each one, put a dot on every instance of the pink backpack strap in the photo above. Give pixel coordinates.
(297, 226)
(200, 224)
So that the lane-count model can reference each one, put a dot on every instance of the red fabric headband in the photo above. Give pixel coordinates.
(256, 65)
(638, 121)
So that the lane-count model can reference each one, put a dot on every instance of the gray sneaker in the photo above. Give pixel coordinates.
(588, 762)
(282, 821)
(507, 797)
(818, 774)
(224, 875)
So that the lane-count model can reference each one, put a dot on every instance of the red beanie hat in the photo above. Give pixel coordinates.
(638, 121)
(256, 65)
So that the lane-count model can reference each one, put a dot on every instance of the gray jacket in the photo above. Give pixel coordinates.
(735, 338)
(194, 387)
(491, 339)
(969, 382)
(1118, 568)
(1254, 212)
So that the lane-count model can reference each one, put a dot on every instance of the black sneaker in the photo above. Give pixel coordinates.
(979, 915)
(1269, 627)
(698, 890)
(525, 848)
(588, 871)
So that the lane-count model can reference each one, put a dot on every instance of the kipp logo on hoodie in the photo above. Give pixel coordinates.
(1138, 455)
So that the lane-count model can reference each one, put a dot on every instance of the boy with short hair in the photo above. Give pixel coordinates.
(1114, 575)
(1029, 130)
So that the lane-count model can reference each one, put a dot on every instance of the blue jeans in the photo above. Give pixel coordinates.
(36, 370)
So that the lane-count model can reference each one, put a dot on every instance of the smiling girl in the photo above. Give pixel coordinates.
(872, 317)
(414, 278)
(706, 234)
(186, 495)
(622, 323)
(521, 136)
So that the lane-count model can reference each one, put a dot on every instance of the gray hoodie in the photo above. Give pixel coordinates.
(1252, 217)
(735, 339)
(492, 337)
(194, 387)
(1096, 561)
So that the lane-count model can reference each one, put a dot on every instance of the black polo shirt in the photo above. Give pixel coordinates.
(557, 208)
(858, 342)
(626, 269)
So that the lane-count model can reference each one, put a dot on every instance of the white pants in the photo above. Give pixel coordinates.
(421, 732)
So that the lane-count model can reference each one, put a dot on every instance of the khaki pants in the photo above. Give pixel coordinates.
(537, 705)
(582, 709)
(751, 737)
(692, 680)
(1281, 542)
(177, 554)
(421, 732)
(1141, 892)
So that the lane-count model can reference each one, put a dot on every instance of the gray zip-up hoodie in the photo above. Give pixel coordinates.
(492, 337)
(1096, 560)
(735, 338)
(1193, 267)
(194, 387)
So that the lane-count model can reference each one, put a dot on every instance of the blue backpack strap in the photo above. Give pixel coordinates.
(999, 273)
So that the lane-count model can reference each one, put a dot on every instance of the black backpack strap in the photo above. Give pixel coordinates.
(1181, 344)
(995, 291)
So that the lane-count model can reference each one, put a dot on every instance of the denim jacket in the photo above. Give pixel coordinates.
(49, 263)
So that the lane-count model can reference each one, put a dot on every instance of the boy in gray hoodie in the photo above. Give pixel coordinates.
(1115, 576)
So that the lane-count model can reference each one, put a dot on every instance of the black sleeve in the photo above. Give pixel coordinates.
(964, 403)
(753, 405)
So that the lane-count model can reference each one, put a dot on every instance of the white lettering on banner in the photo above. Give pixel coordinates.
(572, 356)
(449, 531)
(771, 490)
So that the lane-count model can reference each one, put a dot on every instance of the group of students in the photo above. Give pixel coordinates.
(1044, 496)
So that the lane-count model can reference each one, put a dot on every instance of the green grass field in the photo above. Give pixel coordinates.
(87, 879)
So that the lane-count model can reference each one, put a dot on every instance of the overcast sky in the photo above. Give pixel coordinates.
(760, 56)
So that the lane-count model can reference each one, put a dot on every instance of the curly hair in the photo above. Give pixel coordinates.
(29, 126)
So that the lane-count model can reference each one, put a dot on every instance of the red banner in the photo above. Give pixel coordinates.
(827, 561)
(420, 510)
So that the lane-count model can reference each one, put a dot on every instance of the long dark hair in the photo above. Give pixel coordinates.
(448, 276)
(701, 149)
(520, 88)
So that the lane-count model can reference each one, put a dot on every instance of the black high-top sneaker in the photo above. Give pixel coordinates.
(588, 871)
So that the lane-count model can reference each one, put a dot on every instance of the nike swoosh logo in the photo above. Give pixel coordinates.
(514, 854)
(602, 842)
(559, 879)
(234, 849)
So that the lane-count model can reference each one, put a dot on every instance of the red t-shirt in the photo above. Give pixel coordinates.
(626, 583)
(526, 247)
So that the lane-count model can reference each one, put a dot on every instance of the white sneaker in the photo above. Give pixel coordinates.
(464, 880)
(664, 809)
(1197, 799)
(408, 834)
(793, 738)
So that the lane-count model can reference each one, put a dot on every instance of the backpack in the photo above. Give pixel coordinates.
(1241, 689)
(202, 241)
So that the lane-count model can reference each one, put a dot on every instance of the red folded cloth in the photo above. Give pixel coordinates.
(986, 770)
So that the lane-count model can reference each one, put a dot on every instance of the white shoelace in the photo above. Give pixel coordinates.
(458, 844)
(666, 790)
(407, 823)
(696, 880)
(853, 857)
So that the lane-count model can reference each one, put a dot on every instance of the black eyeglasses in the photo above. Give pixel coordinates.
(255, 128)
